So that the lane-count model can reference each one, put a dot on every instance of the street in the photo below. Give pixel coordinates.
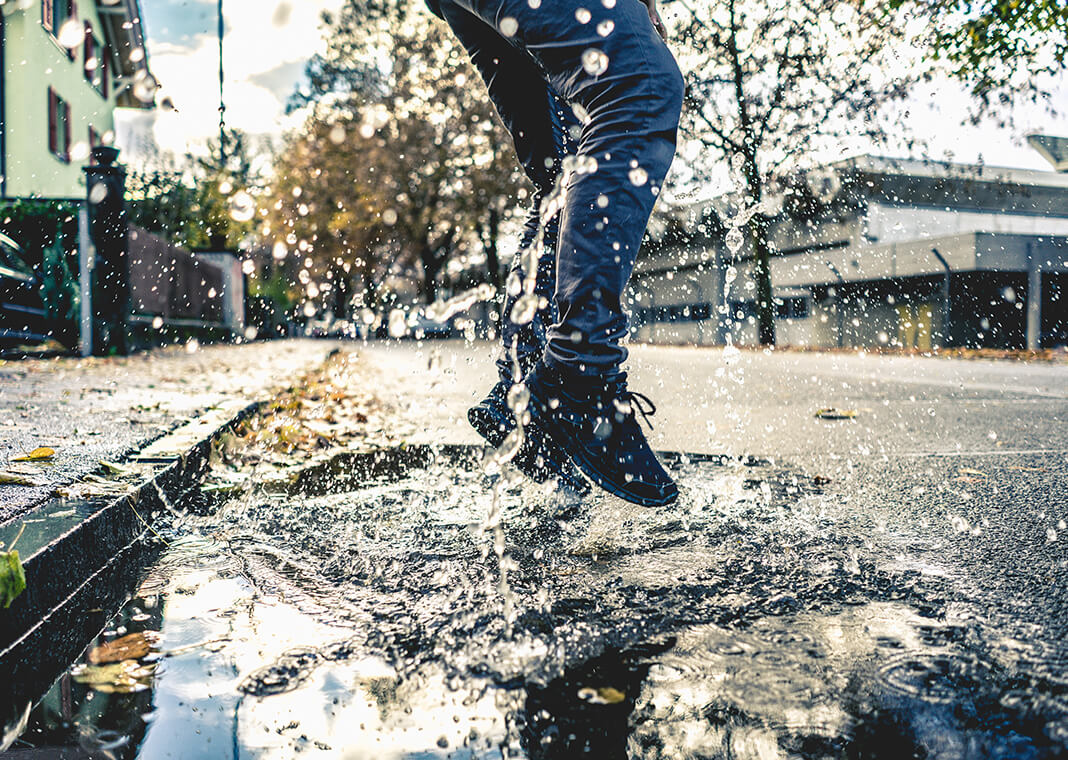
(890, 584)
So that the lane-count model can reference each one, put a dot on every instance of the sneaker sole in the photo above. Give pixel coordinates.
(589, 469)
(494, 430)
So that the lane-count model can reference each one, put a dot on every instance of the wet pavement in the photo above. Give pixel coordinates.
(822, 589)
(98, 409)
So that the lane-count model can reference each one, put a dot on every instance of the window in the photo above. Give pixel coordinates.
(795, 307)
(58, 126)
(94, 138)
(55, 12)
(96, 62)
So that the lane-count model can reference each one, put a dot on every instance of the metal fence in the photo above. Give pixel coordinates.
(172, 284)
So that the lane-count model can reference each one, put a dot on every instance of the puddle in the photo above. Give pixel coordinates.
(352, 610)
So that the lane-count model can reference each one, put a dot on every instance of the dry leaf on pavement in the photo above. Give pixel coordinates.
(40, 454)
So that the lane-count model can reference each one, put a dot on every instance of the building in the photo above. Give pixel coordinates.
(872, 251)
(66, 67)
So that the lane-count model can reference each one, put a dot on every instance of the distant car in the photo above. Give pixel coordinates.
(23, 317)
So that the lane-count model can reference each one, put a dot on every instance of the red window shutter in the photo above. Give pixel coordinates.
(47, 15)
(88, 52)
(105, 72)
(66, 131)
(52, 146)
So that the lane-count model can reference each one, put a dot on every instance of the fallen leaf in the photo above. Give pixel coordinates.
(970, 471)
(12, 577)
(112, 468)
(117, 677)
(831, 413)
(602, 695)
(133, 646)
(13, 479)
(821, 480)
(39, 454)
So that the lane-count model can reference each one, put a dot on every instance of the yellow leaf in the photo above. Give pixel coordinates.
(602, 695)
(37, 455)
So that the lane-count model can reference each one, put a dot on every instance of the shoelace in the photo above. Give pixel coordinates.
(637, 401)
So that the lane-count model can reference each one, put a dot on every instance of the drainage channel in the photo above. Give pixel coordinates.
(353, 608)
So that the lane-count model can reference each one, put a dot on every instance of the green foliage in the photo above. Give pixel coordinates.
(12, 577)
(59, 289)
(998, 47)
(191, 203)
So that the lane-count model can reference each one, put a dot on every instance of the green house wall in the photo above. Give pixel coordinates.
(34, 61)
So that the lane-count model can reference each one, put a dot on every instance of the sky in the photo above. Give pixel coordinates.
(267, 43)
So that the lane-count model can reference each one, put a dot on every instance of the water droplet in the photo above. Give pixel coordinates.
(534, 3)
(509, 26)
(144, 88)
(337, 134)
(526, 306)
(605, 27)
(389, 217)
(398, 325)
(242, 206)
(595, 62)
(583, 15)
(98, 192)
(279, 251)
(734, 240)
(71, 33)
(638, 176)
(602, 201)
(514, 284)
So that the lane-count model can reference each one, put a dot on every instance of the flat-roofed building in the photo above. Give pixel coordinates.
(875, 251)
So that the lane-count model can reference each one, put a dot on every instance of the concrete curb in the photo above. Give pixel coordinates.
(81, 556)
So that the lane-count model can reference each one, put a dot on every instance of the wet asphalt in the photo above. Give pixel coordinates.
(954, 469)
(888, 585)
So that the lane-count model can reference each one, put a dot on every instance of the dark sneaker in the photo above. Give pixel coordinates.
(539, 459)
(593, 420)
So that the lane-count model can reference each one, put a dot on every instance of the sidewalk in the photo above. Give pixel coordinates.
(93, 410)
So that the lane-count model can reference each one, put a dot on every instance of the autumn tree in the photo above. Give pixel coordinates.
(401, 165)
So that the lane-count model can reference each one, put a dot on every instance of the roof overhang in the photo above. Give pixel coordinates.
(124, 33)
(1053, 149)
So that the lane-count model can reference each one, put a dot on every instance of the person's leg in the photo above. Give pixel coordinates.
(542, 128)
(606, 58)
(610, 62)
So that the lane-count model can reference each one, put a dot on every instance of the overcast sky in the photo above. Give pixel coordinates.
(267, 43)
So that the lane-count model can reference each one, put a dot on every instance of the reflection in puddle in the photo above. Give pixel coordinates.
(362, 620)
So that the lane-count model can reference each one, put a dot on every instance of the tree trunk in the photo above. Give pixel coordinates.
(758, 233)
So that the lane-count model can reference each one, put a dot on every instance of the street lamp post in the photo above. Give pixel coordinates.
(222, 103)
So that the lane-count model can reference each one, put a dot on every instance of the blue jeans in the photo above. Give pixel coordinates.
(549, 63)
